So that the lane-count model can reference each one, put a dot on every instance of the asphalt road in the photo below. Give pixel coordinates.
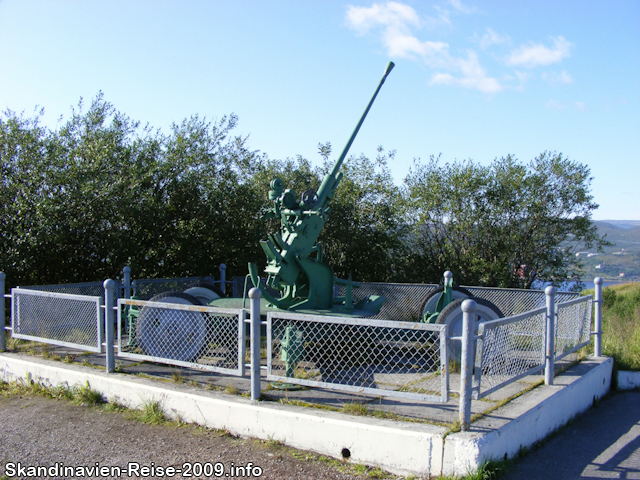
(602, 443)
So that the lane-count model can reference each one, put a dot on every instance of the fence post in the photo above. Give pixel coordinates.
(3, 343)
(254, 295)
(109, 288)
(223, 278)
(550, 359)
(126, 273)
(597, 350)
(466, 368)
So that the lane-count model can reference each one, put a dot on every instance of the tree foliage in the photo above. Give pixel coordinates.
(506, 224)
(101, 192)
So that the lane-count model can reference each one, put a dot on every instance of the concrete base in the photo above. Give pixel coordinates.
(528, 419)
(403, 448)
(628, 380)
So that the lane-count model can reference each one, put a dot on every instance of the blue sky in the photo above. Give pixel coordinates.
(473, 80)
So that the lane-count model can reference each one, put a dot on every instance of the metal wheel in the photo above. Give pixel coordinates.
(451, 316)
(205, 292)
(430, 301)
(173, 334)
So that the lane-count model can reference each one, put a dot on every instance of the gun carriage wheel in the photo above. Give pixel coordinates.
(451, 316)
(174, 334)
(205, 292)
(429, 304)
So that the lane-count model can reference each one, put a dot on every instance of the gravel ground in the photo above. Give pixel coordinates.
(38, 431)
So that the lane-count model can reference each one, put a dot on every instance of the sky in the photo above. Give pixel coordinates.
(473, 80)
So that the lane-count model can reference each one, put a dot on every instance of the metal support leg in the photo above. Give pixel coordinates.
(254, 295)
(466, 368)
(109, 290)
(550, 357)
(597, 349)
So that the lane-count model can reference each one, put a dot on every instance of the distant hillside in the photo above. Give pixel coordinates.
(621, 223)
(617, 234)
(623, 257)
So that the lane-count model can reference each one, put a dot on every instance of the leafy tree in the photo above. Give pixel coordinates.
(364, 234)
(506, 224)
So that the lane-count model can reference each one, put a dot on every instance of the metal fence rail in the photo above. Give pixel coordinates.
(386, 358)
(92, 289)
(207, 338)
(144, 289)
(513, 301)
(509, 349)
(57, 318)
(573, 325)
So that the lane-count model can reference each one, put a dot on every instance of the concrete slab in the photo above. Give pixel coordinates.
(528, 418)
(627, 380)
(401, 447)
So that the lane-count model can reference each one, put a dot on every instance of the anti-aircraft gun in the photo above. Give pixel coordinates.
(295, 260)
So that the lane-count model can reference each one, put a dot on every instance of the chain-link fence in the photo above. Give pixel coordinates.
(242, 285)
(406, 301)
(207, 338)
(513, 301)
(92, 289)
(57, 318)
(509, 349)
(573, 325)
(387, 358)
(146, 289)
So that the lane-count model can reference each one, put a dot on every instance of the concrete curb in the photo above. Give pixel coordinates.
(402, 448)
(627, 380)
(528, 419)
(399, 447)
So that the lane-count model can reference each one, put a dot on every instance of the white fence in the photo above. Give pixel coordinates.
(387, 358)
(371, 356)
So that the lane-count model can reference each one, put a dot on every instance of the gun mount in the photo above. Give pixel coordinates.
(295, 263)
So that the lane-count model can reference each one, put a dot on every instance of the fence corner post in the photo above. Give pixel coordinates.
(3, 343)
(109, 291)
(126, 273)
(223, 278)
(550, 360)
(254, 295)
(466, 368)
(597, 349)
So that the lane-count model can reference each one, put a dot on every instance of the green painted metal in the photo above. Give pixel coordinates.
(295, 263)
(444, 300)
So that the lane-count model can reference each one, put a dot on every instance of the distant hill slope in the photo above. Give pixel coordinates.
(621, 223)
(619, 235)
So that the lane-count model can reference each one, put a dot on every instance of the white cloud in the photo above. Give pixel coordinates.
(393, 14)
(457, 4)
(581, 106)
(397, 23)
(557, 77)
(534, 55)
(492, 38)
(473, 75)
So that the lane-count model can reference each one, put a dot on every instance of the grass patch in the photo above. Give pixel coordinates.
(231, 390)
(151, 413)
(80, 395)
(176, 376)
(356, 408)
(621, 325)
(85, 395)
